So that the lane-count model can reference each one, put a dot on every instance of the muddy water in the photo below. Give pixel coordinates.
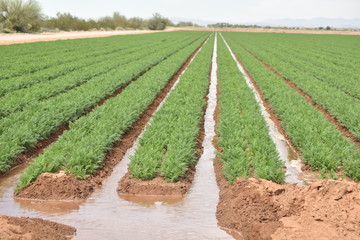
(105, 215)
(286, 153)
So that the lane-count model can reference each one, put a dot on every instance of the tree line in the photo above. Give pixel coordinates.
(26, 16)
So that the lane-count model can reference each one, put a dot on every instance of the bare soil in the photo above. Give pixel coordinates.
(59, 186)
(342, 129)
(17, 38)
(259, 209)
(13, 228)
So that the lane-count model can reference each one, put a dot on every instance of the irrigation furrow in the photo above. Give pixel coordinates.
(342, 129)
(158, 186)
(286, 149)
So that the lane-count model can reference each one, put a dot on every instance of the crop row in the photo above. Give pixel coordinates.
(243, 135)
(21, 130)
(168, 146)
(33, 64)
(340, 50)
(17, 100)
(339, 104)
(313, 66)
(321, 51)
(318, 140)
(78, 62)
(67, 51)
(81, 150)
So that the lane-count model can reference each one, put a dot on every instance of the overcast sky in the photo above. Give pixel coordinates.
(208, 10)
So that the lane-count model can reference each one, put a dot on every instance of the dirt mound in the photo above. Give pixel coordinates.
(261, 209)
(156, 186)
(55, 186)
(12, 228)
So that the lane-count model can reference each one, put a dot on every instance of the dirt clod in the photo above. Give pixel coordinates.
(13, 228)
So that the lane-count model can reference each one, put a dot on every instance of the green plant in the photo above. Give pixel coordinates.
(20, 16)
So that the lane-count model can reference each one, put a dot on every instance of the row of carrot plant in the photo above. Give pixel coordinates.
(320, 143)
(169, 145)
(17, 100)
(62, 52)
(81, 150)
(21, 130)
(342, 106)
(243, 135)
(78, 61)
(333, 71)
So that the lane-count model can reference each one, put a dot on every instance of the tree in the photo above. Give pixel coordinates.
(137, 23)
(119, 20)
(20, 16)
(157, 22)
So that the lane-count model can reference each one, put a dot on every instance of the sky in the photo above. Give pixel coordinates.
(233, 11)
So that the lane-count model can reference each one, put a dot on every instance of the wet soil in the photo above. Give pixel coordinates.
(13, 228)
(342, 129)
(59, 186)
(156, 186)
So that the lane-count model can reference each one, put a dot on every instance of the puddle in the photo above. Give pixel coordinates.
(286, 153)
(105, 215)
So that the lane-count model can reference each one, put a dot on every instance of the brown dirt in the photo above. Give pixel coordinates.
(17, 38)
(158, 186)
(49, 186)
(155, 187)
(260, 209)
(342, 129)
(13, 228)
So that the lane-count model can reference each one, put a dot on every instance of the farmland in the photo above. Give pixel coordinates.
(70, 112)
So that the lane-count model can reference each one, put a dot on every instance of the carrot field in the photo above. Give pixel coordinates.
(70, 111)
